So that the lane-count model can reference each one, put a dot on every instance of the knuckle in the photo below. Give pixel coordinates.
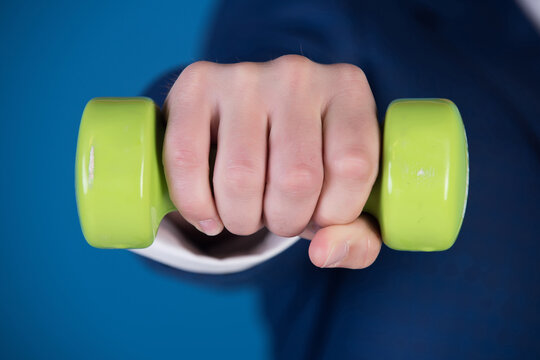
(242, 177)
(182, 158)
(351, 85)
(190, 84)
(295, 70)
(239, 85)
(198, 68)
(245, 73)
(196, 73)
(351, 73)
(355, 165)
(292, 60)
(300, 181)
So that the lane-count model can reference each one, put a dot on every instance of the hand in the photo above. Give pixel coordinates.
(297, 152)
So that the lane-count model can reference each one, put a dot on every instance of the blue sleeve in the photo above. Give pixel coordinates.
(263, 30)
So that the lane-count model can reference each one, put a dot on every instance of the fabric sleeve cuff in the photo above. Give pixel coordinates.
(173, 249)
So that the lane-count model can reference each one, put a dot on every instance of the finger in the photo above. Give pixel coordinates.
(353, 246)
(240, 170)
(186, 149)
(295, 171)
(351, 153)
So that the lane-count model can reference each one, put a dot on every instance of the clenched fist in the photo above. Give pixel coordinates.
(297, 152)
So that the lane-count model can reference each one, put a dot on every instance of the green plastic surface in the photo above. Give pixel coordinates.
(419, 197)
(120, 185)
(421, 192)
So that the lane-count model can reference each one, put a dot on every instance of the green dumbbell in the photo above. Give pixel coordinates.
(419, 197)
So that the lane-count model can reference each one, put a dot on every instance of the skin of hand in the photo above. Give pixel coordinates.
(297, 152)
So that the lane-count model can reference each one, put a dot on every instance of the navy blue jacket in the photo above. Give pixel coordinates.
(481, 298)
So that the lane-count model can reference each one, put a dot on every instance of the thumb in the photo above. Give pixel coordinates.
(354, 246)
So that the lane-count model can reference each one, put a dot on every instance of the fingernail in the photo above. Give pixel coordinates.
(313, 227)
(337, 254)
(209, 227)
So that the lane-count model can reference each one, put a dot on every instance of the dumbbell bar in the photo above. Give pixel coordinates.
(419, 197)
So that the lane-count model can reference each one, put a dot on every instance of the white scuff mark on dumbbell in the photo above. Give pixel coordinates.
(91, 166)
(426, 173)
(446, 181)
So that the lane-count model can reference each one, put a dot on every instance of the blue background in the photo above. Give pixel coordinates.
(60, 298)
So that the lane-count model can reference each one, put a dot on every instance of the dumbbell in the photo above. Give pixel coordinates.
(419, 197)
